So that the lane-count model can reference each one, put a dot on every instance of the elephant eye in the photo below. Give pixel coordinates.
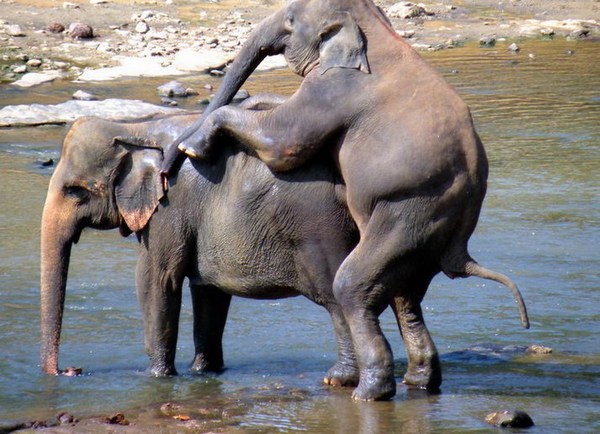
(76, 192)
(289, 22)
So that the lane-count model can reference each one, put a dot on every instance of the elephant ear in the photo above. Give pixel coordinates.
(342, 45)
(139, 187)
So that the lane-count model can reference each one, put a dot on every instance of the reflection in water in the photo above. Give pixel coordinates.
(540, 224)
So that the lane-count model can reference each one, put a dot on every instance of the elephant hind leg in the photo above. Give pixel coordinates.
(211, 306)
(424, 369)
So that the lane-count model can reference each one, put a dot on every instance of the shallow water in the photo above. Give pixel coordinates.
(540, 121)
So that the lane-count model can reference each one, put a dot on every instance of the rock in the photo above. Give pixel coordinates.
(20, 69)
(142, 27)
(69, 111)
(34, 78)
(36, 63)
(509, 419)
(191, 60)
(240, 96)
(217, 72)
(130, 67)
(13, 30)
(117, 419)
(539, 349)
(513, 48)
(578, 34)
(70, 5)
(191, 92)
(81, 31)
(65, 419)
(487, 41)
(406, 33)
(547, 31)
(80, 95)
(55, 28)
(407, 10)
(98, 2)
(172, 89)
(169, 102)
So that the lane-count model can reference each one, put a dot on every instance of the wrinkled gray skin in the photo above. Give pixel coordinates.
(232, 228)
(414, 168)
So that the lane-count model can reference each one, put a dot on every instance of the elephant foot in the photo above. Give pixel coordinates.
(342, 375)
(70, 372)
(375, 385)
(202, 364)
(422, 378)
(193, 151)
(162, 371)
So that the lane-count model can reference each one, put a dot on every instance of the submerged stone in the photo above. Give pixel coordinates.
(509, 419)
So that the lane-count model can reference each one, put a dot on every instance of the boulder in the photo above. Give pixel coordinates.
(192, 60)
(81, 31)
(69, 111)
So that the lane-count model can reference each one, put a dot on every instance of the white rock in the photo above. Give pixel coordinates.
(34, 62)
(201, 61)
(81, 95)
(142, 27)
(130, 67)
(110, 109)
(35, 78)
(13, 30)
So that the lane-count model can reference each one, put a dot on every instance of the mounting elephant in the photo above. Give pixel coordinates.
(414, 169)
(231, 228)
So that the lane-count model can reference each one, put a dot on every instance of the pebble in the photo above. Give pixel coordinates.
(513, 48)
(20, 69)
(509, 419)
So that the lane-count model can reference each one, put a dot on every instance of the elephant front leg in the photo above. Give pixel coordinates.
(159, 295)
(345, 372)
(283, 133)
(211, 307)
(424, 369)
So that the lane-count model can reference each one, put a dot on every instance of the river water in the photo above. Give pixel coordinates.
(539, 117)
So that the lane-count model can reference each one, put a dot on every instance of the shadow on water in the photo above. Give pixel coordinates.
(538, 118)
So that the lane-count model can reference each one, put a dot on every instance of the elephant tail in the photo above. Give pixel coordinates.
(472, 268)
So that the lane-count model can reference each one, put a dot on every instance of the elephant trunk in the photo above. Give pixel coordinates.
(265, 40)
(58, 233)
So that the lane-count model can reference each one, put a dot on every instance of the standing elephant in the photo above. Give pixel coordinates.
(414, 169)
(230, 228)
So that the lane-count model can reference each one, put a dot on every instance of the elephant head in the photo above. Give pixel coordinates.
(107, 177)
(311, 34)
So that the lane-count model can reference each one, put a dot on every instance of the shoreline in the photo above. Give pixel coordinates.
(183, 37)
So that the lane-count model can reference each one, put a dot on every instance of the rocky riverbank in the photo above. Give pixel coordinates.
(94, 40)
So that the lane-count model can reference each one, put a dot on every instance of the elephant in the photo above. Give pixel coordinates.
(231, 228)
(413, 167)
